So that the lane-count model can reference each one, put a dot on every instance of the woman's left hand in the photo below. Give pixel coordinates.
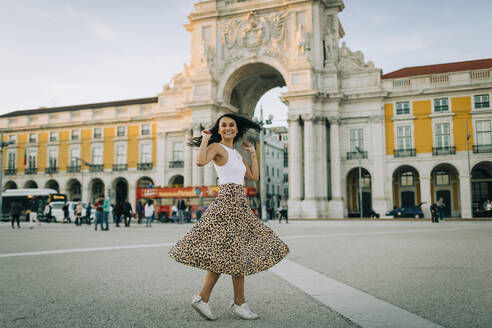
(248, 146)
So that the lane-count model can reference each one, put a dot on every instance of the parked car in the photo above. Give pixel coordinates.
(57, 210)
(407, 212)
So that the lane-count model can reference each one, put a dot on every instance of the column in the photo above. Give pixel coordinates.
(376, 154)
(321, 159)
(465, 197)
(197, 170)
(188, 158)
(295, 161)
(209, 175)
(160, 176)
(336, 204)
(309, 159)
(425, 194)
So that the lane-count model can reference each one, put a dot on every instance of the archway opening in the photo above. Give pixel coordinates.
(406, 187)
(354, 203)
(120, 186)
(96, 188)
(52, 184)
(30, 184)
(176, 181)
(10, 185)
(445, 186)
(74, 190)
(481, 181)
(145, 182)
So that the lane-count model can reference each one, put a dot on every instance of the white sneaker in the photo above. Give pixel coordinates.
(202, 308)
(243, 311)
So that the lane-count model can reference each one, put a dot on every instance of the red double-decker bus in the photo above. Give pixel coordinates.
(198, 198)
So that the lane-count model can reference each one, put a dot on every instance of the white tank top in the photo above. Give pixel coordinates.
(234, 170)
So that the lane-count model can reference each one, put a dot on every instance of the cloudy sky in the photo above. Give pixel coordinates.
(67, 52)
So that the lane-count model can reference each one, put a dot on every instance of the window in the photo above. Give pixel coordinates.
(177, 151)
(406, 179)
(484, 135)
(97, 133)
(402, 108)
(74, 157)
(120, 131)
(31, 160)
(273, 171)
(482, 101)
(53, 136)
(286, 178)
(33, 138)
(442, 178)
(267, 189)
(12, 138)
(145, 130)
(267, 171)
(403, 138)
(278, 175)
(75, 135)
(278, 190)
(11, 161)
(145, 153)
(120, 154)
(97, 155)
(52, 158)
(442, 135)
(441, 105)
(356, 140)
(286, 159)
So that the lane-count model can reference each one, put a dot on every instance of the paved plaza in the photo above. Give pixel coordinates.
(338, 274)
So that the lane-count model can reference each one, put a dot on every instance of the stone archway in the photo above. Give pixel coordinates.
(30, 184)
(120, 187)
(353, 193)
(10, 185)
(145, 182)
(52, 184)
(74, 190)
(176, 181)
(481, 181)
(445, 184)
(406, 187)
(96, 188)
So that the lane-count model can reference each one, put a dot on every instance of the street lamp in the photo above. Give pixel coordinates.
(468, 136)
(262, 163)
(2, 145)
(361, 206)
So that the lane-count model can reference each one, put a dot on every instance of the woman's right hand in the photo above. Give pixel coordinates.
(206, 134)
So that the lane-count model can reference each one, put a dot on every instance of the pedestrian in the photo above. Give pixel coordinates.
(79, 209)
(106, 210)
(488, 208)
(88, 212)
(442, 205)
(434, 208)
(127, 212)
(149, 212)
(140, 211)
(181, 210)
(229, 238)
(66, 213)
(99, 212)
(118, 212)
(48, 211)
(283, 211)
(15, 212)
(174, 213)
(33, 212)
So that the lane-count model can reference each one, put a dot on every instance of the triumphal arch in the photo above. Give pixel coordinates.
(242, 49)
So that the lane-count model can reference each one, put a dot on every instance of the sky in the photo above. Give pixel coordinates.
(69, 52)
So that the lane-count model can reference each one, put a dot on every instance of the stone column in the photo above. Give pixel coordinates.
(295, 167)
(309, 159)
(160, 176)
(209, 175)
(376, 155)
(321, 159)
(197, 170)
(188, 158)
(425, 194)
(336, 205)
(465, 196)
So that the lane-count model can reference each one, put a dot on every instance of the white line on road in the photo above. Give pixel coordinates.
(363, 309)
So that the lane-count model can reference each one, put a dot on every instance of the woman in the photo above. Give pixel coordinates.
(149, 212)
(78, 213)
(229, 238)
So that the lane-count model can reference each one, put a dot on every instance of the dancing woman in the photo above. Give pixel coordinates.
(229, 238)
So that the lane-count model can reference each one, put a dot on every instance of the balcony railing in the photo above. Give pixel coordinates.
(176, 164)
(482, 149)
(11, 171)
(120, 167)
(31, 170)
(448, 150)
(356, 155)
(51, 170)
(73, 169)
(96, 168)
(145, 166)
(410, 152)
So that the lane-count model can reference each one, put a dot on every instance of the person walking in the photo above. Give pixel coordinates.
(15, 212)
(127, 212)
(149, 212)
(488, 208)
(88, 212)
(441, 213)
(66, 213)
(48, 211)
(229, 238)
(33, 212)
(283, 211)
(118, 212)
(434, 208)
(181, 210)
(140, 211)
(99, 212)
(79, 209)
(106, 209)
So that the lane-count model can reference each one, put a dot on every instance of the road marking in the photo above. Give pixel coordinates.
(79, 250)
(361, 308)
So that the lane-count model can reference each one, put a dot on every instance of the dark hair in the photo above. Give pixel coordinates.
(243, 125)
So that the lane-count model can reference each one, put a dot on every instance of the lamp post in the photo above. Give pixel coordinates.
(262, 164)
(468, 136)
(2, 145)
(361, 206)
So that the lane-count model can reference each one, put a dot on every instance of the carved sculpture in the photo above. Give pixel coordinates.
(302, 44)
(353, 61)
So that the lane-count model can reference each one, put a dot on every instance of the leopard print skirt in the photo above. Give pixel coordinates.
(230, 238)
